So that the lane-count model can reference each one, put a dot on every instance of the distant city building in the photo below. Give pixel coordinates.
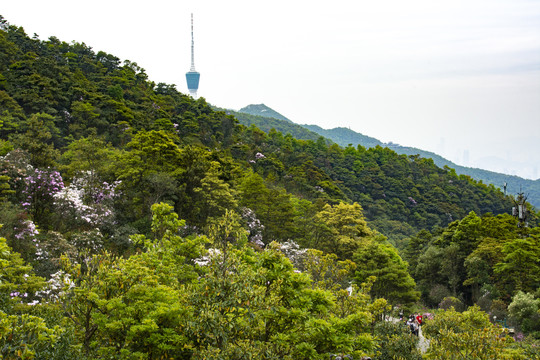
(192, 76)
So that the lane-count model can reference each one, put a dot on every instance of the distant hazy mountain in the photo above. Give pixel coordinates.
(266, 124)
(344, 137)
(514, 184)
(527, 169)
(263, 110)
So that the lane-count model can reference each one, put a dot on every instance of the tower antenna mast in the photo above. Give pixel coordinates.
(192, 76)
(192, 47)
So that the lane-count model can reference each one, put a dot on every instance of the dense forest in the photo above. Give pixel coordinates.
(385, 192)
(514, 184)
(265, 118)
(140, 223)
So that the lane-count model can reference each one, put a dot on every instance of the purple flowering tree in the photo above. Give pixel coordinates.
(25, 238)
(40, 186)
(27, 229)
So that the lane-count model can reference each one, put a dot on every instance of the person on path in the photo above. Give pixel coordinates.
(411, 323)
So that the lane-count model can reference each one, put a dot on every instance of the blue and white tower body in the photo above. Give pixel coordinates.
(192, 76)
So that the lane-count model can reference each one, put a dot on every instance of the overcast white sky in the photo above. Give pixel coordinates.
(460, 78)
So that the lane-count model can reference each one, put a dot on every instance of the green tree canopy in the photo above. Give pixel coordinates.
(393, 281)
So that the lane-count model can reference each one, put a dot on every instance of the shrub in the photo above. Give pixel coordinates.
(396, 342)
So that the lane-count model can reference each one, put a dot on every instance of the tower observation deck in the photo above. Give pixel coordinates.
(192, 76)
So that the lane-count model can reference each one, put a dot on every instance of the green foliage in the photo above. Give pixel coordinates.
(393, 281)
(227, 230)
(326, 271)
(267, 122)
(273, 207)
(194, 288)
(466, 335)
(135, 305)
(262, 110)
(171, 255)
(396, 342)
(75, 93)
(92, 156)
(26, 337)
(22, 336)
(119, 307)
(242, 302)
(524, 310)
(475, 259)
(520, 256)
(214, 196)
(222, 303)
(347, 137)
(17, 280)
(150, 152)
(339, 229)
(5, 189)
(450, 302)
(344, 136)
(405, 189)
(37, 140)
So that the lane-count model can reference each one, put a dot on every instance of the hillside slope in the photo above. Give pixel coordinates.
(262, 110)
(344, 137)
(515, 184)
(70, 112)
(267, 123)
(160, 227)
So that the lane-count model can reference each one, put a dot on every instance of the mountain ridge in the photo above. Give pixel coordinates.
(166, 145)
(345, 137)
(263, 110)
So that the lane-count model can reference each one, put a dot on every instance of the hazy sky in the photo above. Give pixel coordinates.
(460, 78)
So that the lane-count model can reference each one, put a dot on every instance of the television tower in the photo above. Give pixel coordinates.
(192, 76)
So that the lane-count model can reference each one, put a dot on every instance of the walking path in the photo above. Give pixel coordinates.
(423, 343)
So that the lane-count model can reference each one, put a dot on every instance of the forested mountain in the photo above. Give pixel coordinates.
(140, 223)
(268, 123)
(378, 211)
(345, 137)
(59, 100)
(515, 184)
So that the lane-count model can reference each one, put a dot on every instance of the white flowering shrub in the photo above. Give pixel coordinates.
(294, 253)
(254, 226)
(56, 287)
(87, 243)
(205, 260)
(87, 205)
